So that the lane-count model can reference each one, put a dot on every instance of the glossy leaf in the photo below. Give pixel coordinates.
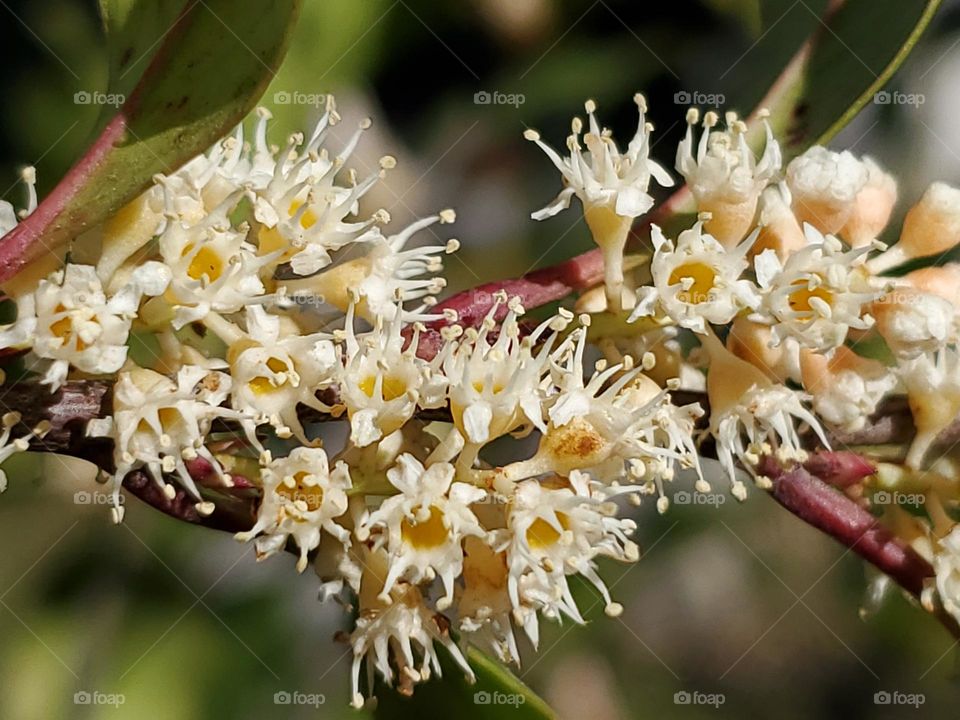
(854, 50)
(208, 71)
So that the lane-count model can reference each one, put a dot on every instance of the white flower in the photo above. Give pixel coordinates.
(611, 186)
(380, 381)
(424, 526)
(484, 606)
(696, 281)
(301, 497)
(71, 322)
(932, 381)
(302, 211)
(160, 424)
(392, 632)
(10, 447)
(8, 216)
(214, 268)
(384, 276)
(817, 295)
(602, 176)
(913, 322)
(616, 428)
(556, 531)
(274, 371)
(495, 383)
(725, 177)
(750, 416)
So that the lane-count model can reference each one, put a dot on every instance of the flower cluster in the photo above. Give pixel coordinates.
(248, 305)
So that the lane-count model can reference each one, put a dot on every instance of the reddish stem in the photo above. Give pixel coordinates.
(819, 505)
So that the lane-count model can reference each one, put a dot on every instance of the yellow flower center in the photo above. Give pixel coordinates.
(703, 278)
(205, 262)
(312, 495)
(270, 238)
(262, 385)
(169, 418)
(800, 298)
(427, 534)
(541, 534)
(392, 387)
(496, 389)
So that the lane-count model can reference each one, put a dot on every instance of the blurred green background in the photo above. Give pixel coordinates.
(740, 600)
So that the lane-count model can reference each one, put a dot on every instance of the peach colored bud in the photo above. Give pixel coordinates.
(932, 226)
(824, 185)
(814, 366)
(779, 229)
(942, 280)
(729, 377)
(872, 207)
(729, 222)
(751, 341)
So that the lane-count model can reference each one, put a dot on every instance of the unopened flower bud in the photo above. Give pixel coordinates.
(825, 185)
(932, 226)
(913, 322)
(871, 208)
(779, 229)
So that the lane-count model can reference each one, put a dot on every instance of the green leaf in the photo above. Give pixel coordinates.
(853, 52)
(207, 72)
(135, 29)
(496, 694)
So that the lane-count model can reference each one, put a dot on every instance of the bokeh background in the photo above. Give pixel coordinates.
(742, 600)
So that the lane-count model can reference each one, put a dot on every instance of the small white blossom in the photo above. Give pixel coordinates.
(69, 321)
(824, 185)
(424, 526)
(273, 372)
(380, 381)
(817, 295)
(391, 633)
(603, 176)
(696, 281)
(160, 424)
(559, 531)
(301, 497)
(724, 176)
